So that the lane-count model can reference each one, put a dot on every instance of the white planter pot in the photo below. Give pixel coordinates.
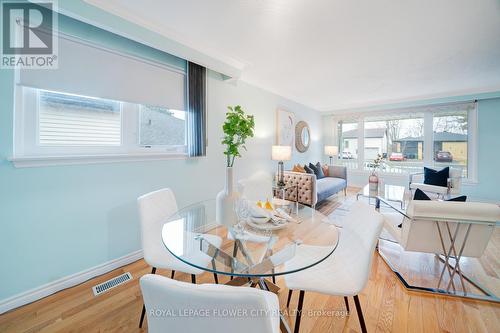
(225, 201)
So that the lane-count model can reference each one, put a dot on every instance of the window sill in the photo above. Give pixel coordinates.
(42, 161)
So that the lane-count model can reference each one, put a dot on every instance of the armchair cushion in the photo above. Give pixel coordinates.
(437, 178)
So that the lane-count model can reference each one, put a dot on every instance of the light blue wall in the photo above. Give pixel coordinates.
(488, 186)
(57, 221)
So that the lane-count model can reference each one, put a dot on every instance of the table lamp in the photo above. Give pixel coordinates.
(280, 154)
(331, 151)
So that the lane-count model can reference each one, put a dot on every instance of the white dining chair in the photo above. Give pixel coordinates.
(346, 271)
(154, 208)
(174, 306)
(257, 187)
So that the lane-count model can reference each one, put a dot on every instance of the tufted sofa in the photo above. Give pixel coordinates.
(312, 190)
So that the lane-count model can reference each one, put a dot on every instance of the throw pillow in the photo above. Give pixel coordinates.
(462, 198)
(437, 178)
(298, 168)
(420, 195)
(317, 170)
(325, 170)
(308, 169)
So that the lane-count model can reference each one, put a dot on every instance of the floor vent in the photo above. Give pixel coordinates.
(114, 282)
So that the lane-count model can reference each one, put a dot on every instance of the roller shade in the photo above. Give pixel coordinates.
(89, 70)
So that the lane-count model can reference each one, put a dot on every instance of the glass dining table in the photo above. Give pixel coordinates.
(247, 251)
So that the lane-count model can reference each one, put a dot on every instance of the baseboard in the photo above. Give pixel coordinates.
(66, 282)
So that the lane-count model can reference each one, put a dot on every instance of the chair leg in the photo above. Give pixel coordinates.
(143, 312)
(299, 311)
(274, 279)
(290, 292)
(235, 252)
(172, 275)
(193, 278)
(215, 275)
(360, 314)
(346, 304)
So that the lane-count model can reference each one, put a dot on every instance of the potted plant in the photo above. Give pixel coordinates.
(373, 179)
(237, 128)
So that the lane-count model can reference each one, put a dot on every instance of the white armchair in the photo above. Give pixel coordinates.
(453, 187)
(451, 229)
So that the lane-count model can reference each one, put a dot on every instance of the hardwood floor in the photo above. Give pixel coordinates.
(386, 305)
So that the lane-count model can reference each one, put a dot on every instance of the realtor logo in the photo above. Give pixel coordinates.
(28, 39)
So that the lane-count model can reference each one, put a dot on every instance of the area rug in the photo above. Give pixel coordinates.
(339, 217)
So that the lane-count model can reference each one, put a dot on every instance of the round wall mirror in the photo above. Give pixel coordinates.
(302, 136)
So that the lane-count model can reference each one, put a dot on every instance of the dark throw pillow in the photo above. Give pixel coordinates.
(462, 198)
(420, 195)
(308, 169)
(437, 178)
(318, 170)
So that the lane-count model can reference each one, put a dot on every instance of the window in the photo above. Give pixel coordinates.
(450, 140)
(61, 124)
(71, 120)
(102, 102)
(348, 143)
(435, 136)
(162, 127)
(399, 139)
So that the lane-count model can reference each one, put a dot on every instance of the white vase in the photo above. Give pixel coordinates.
(225, 201)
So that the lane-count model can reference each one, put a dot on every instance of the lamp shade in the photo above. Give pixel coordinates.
(331, 150)
(282, 153)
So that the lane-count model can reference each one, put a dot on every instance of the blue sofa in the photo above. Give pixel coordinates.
(311, 190)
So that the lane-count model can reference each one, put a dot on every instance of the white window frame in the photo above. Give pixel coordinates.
(28, 153)
(428, 161)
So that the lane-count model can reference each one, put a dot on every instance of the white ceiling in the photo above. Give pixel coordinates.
(337, 54)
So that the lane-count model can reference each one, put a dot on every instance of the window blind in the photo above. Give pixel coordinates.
(91, 70)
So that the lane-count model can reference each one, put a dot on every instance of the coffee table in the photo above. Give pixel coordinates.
(387, 192)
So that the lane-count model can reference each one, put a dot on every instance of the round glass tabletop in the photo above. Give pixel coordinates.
(248, 249)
